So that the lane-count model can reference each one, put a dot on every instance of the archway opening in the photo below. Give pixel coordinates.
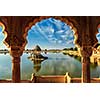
(54, 39)
(5, 59)
(95, 57)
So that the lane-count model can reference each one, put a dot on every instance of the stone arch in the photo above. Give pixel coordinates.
(96, 43)
(4, 32)
(5, 35)
(38, 19)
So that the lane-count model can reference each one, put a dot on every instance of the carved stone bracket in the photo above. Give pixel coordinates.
(14, 40)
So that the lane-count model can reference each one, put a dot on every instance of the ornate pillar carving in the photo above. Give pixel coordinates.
(15, 41)
(86, 47)
(16, 54)
(86, 52)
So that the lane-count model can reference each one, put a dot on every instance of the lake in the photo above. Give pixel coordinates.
(56, 64)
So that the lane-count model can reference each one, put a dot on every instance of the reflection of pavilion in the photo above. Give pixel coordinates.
(36, 57)
(36, 60)
(37, 65)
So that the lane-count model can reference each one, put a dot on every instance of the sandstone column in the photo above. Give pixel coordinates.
(86, 53)
(16, 69)
(16, 54)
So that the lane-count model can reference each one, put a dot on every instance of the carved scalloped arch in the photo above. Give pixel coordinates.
(98, 26)
(38, 19)
(4, 32)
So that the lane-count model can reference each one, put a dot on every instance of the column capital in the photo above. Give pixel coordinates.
(15, 51)
(86, 51)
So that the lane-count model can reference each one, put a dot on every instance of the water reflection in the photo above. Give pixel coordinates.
(5, 66)
(59, 64)
(37, 66)
(56, 64)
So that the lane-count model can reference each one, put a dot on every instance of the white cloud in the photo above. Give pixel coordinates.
(68, 32)
(69, 42)
(41, 31)
(60, 31)
(63, 36)
(49, 29)
(54, 31)
(99, 30)
(52, 20)
(59, 41)
(50, 36)
(1, 33)
(53, 39)
(98, 35)
(57, 23)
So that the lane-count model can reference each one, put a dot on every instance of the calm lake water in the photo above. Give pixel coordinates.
(56, 64)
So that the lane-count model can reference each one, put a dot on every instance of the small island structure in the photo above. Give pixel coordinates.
(36, 57)
(36, 54)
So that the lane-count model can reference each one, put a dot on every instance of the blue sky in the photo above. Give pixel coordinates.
(48, 34)
(51, 34)
(2, 45)
(98, 35)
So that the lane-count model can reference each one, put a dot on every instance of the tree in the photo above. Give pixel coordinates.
(75, 48)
